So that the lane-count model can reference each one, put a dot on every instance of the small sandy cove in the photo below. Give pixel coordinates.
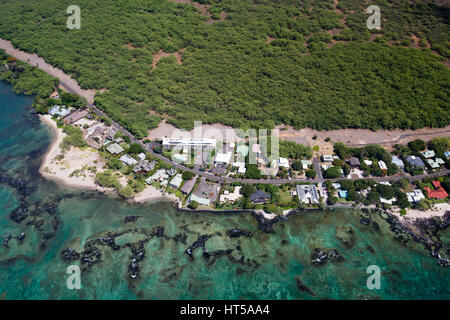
(54, 168)
(438, 210)
(60, 170)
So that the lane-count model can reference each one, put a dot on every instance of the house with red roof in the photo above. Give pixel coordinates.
(438, 192)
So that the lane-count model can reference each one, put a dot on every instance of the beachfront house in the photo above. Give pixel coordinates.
(159, 175)
(259, 197)
(75, 116)
(127, 160)
(188, 186)
(231, 196)
(145, 166)
(176, 181)
(307, 194)
(114, 149)
(201, 201)
(415, 196)
(59, 111)
(438, 192)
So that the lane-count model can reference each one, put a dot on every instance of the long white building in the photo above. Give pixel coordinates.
(194, 143)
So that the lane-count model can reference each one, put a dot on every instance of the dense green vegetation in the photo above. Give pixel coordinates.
(74, 137)
(24, 78)
(322, 69)
(293, 150)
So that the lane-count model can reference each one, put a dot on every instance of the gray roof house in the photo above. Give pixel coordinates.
(415, 161)
(307, 193)
(398, 162)
(188, 185)
(354, 162)
(259, 197)
(144, 165)
(114, 148)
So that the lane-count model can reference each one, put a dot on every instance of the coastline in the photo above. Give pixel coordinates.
(59, 171)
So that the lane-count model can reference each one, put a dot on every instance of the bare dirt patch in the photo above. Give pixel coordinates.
(129, 46)
(361, 137)
(162, 54)
(270, 39)
(416, 40)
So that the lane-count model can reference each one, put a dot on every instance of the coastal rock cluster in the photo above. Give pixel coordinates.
(39, 214)
(264, 224)
(92, 252)
(236, 233)
(22, 187)
(321, 256)
(20, 238)
(426, 232)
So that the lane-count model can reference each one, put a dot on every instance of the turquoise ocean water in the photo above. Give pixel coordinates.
(262, 266)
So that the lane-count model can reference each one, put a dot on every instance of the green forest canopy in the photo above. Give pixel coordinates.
(323, 69)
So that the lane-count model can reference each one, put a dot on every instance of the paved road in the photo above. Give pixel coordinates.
(221, 179)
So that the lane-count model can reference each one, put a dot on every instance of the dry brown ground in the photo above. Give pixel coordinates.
(161, 54)
(352, 137)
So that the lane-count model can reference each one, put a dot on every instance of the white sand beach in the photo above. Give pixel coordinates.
(61, 170)
(151, 193)
(438, 210)
(71, 167)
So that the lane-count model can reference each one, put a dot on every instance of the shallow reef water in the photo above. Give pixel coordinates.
(154, 251)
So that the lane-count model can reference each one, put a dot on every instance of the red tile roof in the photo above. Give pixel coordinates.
(436, 184)
(439, 193)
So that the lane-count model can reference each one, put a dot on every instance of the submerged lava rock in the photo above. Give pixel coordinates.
(138, 254)
(70, 255)
(21, 185)
(264, 224)
(6, 241)
(335, 256)
(20, 213)
(321, 256)
(200, 243)
(302, 287)
(236, 233)
(131, 219)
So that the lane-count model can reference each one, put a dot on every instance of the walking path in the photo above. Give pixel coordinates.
(66, 81)
(72, 86)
